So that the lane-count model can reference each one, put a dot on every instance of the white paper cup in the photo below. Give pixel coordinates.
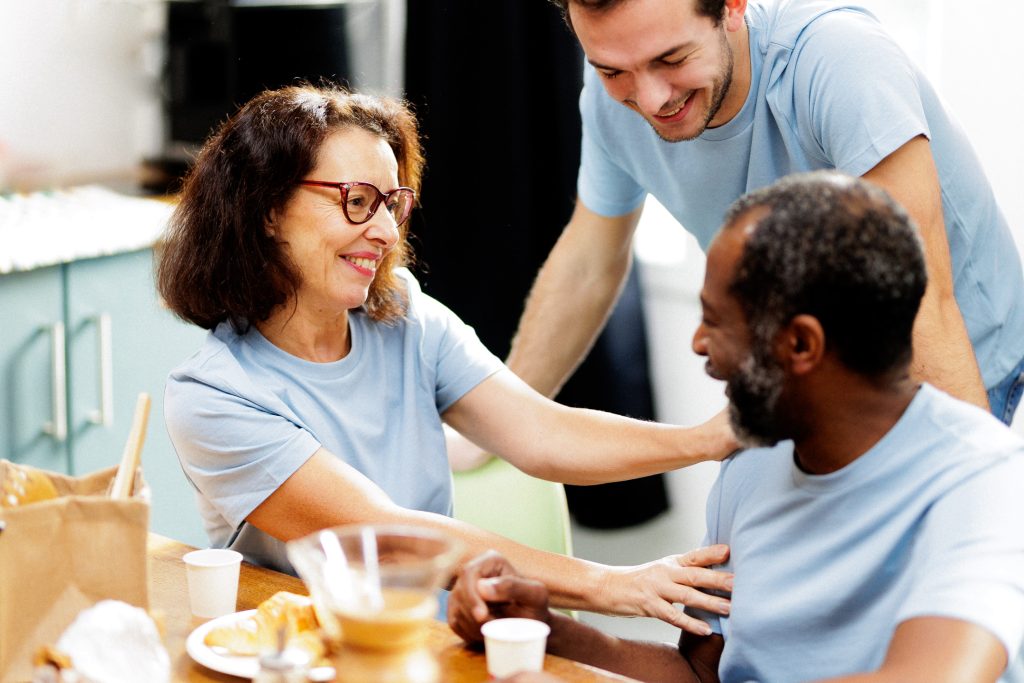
(212, 581)
(514, 645)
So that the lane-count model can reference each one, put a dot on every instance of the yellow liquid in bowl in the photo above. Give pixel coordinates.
(402, 623)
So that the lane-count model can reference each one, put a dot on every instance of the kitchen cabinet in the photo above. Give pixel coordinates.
(31, 362)
(79, 342)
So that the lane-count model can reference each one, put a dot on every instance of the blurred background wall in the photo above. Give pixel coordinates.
(82, 80)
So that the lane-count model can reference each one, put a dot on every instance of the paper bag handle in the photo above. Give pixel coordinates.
(125, 477)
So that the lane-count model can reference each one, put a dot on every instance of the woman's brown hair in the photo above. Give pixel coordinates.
(218, 262)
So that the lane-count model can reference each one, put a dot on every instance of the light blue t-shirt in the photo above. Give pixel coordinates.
(829, 89)
(244, 415)
(925, 523)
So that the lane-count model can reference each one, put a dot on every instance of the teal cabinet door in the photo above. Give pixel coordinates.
(122, 342)
(32, 367)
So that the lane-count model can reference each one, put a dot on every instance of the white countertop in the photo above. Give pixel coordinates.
(46, 228)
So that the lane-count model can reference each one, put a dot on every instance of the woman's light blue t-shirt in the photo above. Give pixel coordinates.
(244, 415)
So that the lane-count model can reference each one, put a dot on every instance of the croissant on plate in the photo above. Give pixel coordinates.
(259, 632)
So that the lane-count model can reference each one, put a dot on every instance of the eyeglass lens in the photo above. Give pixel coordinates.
(363, 199)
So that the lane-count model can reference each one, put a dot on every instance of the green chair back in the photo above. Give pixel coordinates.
(500, 498)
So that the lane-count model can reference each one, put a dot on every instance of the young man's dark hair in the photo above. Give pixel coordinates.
(705, 8)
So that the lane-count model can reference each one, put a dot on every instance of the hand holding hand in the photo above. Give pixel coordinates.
(653, 589)
(489, 588)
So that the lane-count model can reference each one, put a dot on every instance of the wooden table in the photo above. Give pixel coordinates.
(168, 596)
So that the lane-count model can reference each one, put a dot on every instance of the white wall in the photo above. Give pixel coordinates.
(82, 78)
(80, 99)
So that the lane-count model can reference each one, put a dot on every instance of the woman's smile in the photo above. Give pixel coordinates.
(366, 265)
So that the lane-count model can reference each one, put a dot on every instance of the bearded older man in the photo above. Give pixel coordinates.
(874, 527)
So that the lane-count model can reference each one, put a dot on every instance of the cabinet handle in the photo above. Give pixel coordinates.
(104, 415)
(58, 426)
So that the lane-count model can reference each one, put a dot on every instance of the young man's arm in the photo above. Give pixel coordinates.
(572, 297)
(937, 650)
(943, 354)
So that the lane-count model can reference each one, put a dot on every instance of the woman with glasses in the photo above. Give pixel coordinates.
(319, 394)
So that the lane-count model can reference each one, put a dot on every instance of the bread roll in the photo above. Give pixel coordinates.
(258, 633)
(293, 612)
(25, 485)
(238, 639)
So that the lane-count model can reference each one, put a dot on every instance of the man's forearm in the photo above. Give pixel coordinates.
(563, 317)
(572, 297)
(644, 661)
(943, 355)
(937, 650)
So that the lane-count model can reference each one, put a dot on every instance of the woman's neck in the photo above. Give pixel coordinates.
(310, 335)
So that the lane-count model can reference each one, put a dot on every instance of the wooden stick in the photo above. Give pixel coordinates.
(124, 480)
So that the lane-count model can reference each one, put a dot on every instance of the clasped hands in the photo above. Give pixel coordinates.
(489, 587)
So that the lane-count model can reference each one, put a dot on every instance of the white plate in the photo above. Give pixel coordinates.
(218, 659)
(235, 665)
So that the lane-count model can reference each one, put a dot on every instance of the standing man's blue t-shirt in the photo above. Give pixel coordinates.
(829, 89)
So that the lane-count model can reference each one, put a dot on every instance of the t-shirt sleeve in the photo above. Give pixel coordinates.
(971, 549)
(855, 92)
(603, 185)
(714, 534)
(459, 359)
(233, 449)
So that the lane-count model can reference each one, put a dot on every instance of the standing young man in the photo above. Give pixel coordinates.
(700, 101)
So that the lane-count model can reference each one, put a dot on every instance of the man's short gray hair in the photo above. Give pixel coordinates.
(839, 249)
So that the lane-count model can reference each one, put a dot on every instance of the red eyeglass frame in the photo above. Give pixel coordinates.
(381, 198)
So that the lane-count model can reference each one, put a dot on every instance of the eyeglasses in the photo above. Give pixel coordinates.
(359, 201)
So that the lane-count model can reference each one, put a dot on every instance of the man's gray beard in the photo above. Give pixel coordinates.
(753, 398)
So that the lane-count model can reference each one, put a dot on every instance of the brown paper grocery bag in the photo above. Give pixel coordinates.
(60, 556)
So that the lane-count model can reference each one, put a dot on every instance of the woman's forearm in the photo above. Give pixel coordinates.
(505, 416)
(591, 447)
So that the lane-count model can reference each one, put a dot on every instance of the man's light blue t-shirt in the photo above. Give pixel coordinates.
(244, 415)
(829, 90)
(925, 523)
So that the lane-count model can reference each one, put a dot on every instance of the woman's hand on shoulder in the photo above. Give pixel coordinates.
(721, 439)
(655, 588)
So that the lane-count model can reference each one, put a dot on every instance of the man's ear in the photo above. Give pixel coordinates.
(733, 14)
(801, 344)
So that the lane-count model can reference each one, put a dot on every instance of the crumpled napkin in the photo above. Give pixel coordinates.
(110, 642)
